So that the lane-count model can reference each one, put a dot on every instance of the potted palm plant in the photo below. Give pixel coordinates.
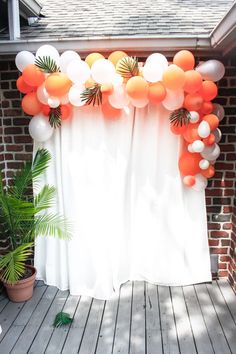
(23, 218)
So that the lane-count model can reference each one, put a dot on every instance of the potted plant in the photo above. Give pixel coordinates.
(23, 218)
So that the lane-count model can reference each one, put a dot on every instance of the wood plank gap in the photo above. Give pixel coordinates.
(85, 325)
(117, 311)
(145, 314)
(233, 315)
(100, 326)
(194, 340)
(174, 319)
(131, 311)
(159, 310)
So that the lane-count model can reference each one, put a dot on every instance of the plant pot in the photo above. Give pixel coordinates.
(23, 289)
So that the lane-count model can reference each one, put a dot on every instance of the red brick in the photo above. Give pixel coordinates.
(223, 266)
(219, 234)
(225, 258)
(227, 226)
(213, 242)
(225, 243)
(219, 250)
(213, 226)
(223, 273)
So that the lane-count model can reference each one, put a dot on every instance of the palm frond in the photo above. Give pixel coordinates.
(92, 95)
(21, 181)
(12, 265)
(46, 64)
(44, 199)
(40, 163)
(127, 67)
(62, 319)
(55, 117)
(180, 117)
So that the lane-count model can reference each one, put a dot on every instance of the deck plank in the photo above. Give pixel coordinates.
(138, 330)
(214, 329)
(122, 332)
(27, 336)
(183, 326)
(8, 316)
(169, 334)
(224, 315)
(59, 335)
(199, 329)
(75, 334)
(43, 336)
(229, 296)
(153, 326)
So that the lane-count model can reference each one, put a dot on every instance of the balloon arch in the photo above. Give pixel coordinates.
(54, 83)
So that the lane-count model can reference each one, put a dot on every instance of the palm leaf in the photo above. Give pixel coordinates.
(46, 64)
(127, 67)
(92, 95)
(40, 163)
(55, 117)
(62, 319)
(44, 199)
(180, 117)
(12, 264)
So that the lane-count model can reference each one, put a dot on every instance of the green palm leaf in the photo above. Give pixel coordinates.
(62, 319)
(44, 199)
(46, 64)
(40, 163)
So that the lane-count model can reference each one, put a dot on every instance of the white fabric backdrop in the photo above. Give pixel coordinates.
(119, 184)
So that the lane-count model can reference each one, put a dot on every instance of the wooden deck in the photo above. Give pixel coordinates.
(144, 319)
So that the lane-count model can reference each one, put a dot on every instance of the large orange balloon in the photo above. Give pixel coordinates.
(189, 164)
(57, 84)
(137, 87)
(157, 92)
(173, 77)
(189, 181)
(184, 59)
(193, 101)
(190, 134)
(212, 120)
(110, 112)
(208, 90)
(114, 57)
(31, 104)
(209, 172)
(193, 81)
(178, 129)
(207, 107)
(32, 75)
(91, 58)
(22, 86)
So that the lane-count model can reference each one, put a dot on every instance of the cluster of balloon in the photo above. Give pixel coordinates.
(53, 84)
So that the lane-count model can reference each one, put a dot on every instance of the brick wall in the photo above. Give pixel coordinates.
(16, 147)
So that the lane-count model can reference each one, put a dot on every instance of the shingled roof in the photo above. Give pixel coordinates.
(91, 18)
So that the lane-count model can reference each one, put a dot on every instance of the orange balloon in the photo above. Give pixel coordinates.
(91, 58)
(173, 77)
(209, 172)
(46, 109)
(209, 140)
(208, 90)
(66, 110)
(114, 57)
(191, 133)
(31, 104)
(22, 86)
(193, 81)
(32, 75)
(177, 129)
(184, 59)
(189, 163)
(212, 120)
(110, 112)
(189, 181)
(157, 92)
(137, 87)
(207, 107)
(193, 101)
(107, 89)
(57, 84)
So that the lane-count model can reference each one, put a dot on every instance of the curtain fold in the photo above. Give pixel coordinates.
(118, 183)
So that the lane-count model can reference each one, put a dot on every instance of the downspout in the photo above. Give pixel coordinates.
(14, 19)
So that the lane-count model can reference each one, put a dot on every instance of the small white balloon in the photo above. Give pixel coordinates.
(157, 59)
(66, 58)
(204, 164)
(141, 103)
(153, 72)
(78, 71)
(119, 97)
(218, 135)
(53, 102)
(204, 129)
(200, 184)
(75, 96)
(212, 70)
(117, 80)
(218, 110)
(40, 129)
(42, 94)
(173, 100)
(190, 149)
(211, 152)
(194, 117)
(103, 71)
(47, 50)
(23, 59)
(198, 146)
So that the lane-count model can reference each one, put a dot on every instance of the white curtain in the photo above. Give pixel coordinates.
(118, 183)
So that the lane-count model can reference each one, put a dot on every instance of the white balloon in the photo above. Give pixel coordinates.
(157, 59)
(204, 164)
(117, 80)
(218, 135)
(173, 99)
(218, 110)
(200, 184)
(66, 58)
(194, 117)
(153, 72)
(103, 71)
(139, 103)
(40, 128)
(78, 71)
(75, 96)
(53, 102)
(23, 59)
(212, 70)
(119, 97)
(42, 94)
(190, 149)
(198, 146)
(49, 51)
(211, 152)
(204, 129)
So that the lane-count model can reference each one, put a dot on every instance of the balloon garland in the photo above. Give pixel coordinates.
(54, 83)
